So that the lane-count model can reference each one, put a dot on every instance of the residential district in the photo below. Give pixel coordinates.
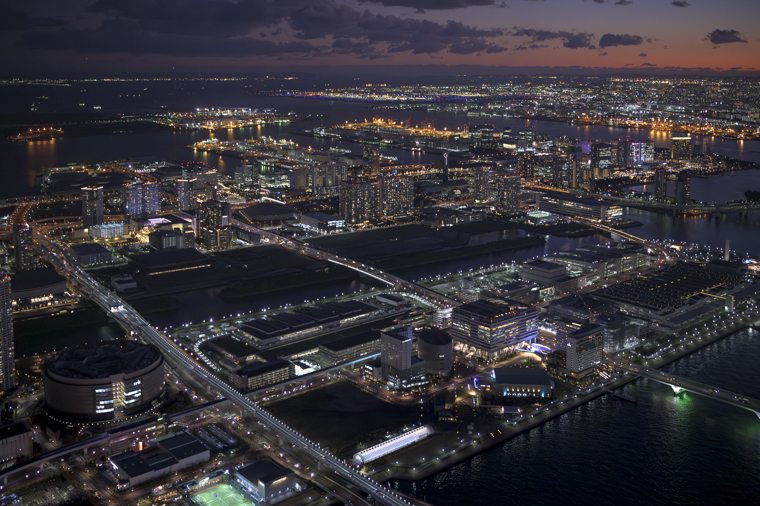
(223, 411)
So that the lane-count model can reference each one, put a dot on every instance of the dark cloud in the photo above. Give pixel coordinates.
(422, 5)
(623, 2)
(648, 64)
(115, 36)
(603, 54)
(599, 1)
(570, 40)
(176, 27)
(681, 3)
(642, 55)
(724, 37)
(611, 40)
(475, 45)
(18, 20)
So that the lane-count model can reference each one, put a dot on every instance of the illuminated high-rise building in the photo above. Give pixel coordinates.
(526, 160)
(371, 162)
(680, 148)
(584, 349)
(481, 184)
(185, 195)
(212, 225)
(660, 185)
(23, 248)
(142, 200)
(397, 195)
(7, 343)
(92, 206)
(326, 177)
(506, 192)
(361, 200)
(152, 198)
(683, 188)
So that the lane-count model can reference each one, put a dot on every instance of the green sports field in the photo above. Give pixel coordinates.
(222, 495)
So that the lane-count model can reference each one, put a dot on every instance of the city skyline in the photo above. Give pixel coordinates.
(644, 36)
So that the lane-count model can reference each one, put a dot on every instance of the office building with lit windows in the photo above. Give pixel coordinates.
(142, 200)
(92, 206)
(579, 209)
(23, 248)
(7, 343)
(680, 148)
(361, 200)
(185, 194)
(106, 381)
(397, 195)
(212, 225)
(584, 349)
(489, 330)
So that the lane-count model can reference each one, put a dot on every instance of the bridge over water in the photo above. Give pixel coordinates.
(680, 384)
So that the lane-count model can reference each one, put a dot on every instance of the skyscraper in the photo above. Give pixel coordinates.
(212, 225)
(660, 185)
(92, 206)
(324, 178)
(680, 148)
(152, 198)
(397, 195)
(683, 188)
(7, 344)
(371, 162)
(133, 200)
(361, 200)
(395, 353)
(481, 184)
(185, 196)
(526, 159)
(142, 200)
(507, 192)
(23, 249)
(584, 349)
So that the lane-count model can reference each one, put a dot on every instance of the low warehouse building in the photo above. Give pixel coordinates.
(265, 480)
(168, 456)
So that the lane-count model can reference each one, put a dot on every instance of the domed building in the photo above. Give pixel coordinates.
(106, 381)
(435, 347)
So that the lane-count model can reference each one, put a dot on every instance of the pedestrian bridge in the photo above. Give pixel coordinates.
(680, 384)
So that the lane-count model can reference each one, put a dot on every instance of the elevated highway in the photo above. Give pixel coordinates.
(680, 384)
(124, 313)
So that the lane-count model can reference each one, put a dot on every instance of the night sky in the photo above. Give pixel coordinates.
(250, 35)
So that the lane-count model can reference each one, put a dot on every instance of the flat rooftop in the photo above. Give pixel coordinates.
(234, 346)
(14, 429)
(170, 259)
(88, 248)
(543, 264)
(264, 470)
(104, 360)
(344, 343)
(36, 278)
(521, 376)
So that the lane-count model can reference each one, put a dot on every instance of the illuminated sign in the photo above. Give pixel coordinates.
(279, 481)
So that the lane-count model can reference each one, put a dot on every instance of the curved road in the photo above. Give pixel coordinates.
(136, 322)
